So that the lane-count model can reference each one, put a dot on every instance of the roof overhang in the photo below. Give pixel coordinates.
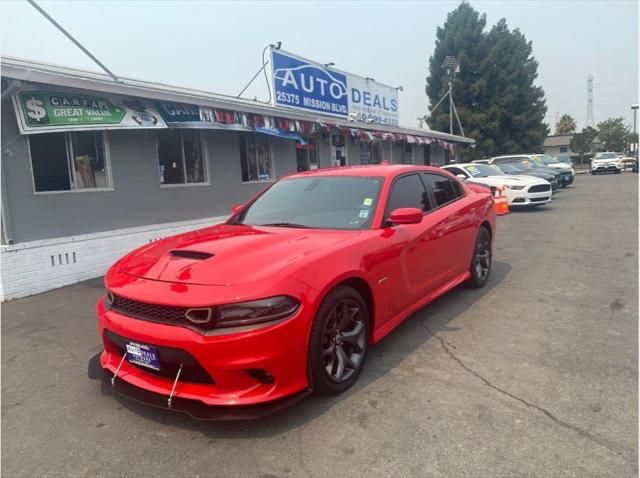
(43, 73)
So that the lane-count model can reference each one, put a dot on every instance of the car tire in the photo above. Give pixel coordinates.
(339, 341)
(481, 260)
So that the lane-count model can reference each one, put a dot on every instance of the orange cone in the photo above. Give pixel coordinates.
(500, 201)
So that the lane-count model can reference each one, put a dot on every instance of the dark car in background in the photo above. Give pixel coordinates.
(518, 168)
(564, 176)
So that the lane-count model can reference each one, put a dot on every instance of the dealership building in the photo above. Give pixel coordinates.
(93, 167)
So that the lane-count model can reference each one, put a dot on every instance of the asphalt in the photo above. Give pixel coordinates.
(534, 375)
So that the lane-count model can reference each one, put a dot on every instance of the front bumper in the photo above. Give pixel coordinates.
(230, 360)
(605, 168)
(567, 179)
(195, 408)
(523, 198)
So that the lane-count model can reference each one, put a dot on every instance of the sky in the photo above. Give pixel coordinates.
(216, 46)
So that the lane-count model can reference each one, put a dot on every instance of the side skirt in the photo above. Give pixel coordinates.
(381, 332)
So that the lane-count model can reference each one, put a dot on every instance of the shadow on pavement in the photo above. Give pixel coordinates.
(536, 209)
(383, 357)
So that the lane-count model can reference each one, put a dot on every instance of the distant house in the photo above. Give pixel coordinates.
(559, 145)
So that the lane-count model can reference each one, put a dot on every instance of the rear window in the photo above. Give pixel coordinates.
(443, 189)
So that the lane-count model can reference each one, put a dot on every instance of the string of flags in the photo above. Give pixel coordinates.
(266, 124)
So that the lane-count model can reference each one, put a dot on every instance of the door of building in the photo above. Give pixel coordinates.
(338, 150)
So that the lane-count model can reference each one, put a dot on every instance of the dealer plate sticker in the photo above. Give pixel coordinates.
(143, 355)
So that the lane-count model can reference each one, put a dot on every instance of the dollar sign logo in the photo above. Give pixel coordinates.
(36, 111)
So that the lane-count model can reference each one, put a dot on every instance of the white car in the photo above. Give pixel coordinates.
(607, 162)
(553, 163)
(548, 163)
(520, 190)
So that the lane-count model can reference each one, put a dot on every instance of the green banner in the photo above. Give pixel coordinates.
(62, 109)
(59, 109)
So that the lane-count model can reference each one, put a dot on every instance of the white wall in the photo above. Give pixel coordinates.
(32, 267)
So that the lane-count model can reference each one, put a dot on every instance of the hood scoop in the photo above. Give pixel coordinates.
(194, 255)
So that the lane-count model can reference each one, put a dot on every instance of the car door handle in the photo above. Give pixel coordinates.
(439, 231)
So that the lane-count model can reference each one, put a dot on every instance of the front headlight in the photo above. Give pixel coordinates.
(255, 311)
(517, 188)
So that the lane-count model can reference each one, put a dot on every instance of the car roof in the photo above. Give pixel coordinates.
(464, 164)
(384, 170)
(513, 156)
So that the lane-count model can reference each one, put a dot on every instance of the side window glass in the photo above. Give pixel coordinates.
(456, 171)
(407, 191)
(444, 190)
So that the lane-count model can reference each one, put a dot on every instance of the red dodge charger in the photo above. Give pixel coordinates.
(284, 298)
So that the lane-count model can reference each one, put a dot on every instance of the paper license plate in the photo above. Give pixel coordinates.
(143, 355)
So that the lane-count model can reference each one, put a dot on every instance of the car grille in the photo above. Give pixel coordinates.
(538, 188)
(165, 314)
(546, 198)
(170, 360)
(142, 310)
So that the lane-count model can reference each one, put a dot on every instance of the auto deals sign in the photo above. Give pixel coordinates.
(303, 84)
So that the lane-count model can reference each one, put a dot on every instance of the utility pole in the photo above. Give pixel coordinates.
(637, 143)
(451, 65)
(450, 108)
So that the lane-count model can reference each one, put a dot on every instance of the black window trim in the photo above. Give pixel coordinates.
(69, 149)
(464, 171)
(463, 193)
(385, 221)
(205, 160)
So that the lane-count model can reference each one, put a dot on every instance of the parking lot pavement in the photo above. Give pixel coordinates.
(535, 375)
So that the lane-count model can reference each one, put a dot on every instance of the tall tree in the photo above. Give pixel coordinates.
(581, 142)
(499, 105)
(566, 125)
(613, 134)
(519, 107)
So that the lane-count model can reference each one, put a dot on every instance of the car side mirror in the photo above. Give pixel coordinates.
(236, 208)
(405, 215)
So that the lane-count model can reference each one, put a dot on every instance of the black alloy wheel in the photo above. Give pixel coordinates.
(480, 268)
(339, 340)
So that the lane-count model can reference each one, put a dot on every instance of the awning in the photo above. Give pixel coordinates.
(282, 134)
(208, 125)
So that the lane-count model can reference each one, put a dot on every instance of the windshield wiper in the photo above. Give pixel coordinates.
(286, 224)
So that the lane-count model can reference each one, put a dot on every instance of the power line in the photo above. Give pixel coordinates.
(75, 42)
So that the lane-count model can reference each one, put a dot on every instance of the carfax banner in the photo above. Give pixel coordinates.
(44, 111)
(303, 84)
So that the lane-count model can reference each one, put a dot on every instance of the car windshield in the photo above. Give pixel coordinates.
(545, 159)
(481, 171)
(508, 168)
(533, 163)
(316, 202)
(606, 156)
(519, 165)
